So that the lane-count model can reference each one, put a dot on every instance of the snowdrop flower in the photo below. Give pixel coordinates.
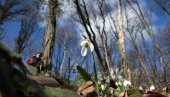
(85, 45)
(164, 89)
(152, 87)
(140, 88)
(118, 83)
(102, 87)
(126, 83)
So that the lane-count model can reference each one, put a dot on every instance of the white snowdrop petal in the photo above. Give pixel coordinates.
(119, 83)
(129, 83)
(140, 88)
(102, 87)
(91, 47)
(126, 83)
(152, 88)
(84, 51)
(83, 42)
(116, 83)
(164, 89)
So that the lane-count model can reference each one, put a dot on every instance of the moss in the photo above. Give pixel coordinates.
(32, 70)
(58, 92)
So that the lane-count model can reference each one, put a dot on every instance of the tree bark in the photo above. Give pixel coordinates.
(49, 38)
(121, 44)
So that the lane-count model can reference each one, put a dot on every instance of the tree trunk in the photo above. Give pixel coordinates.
(63, 58)
(49, 38)
(121, 44)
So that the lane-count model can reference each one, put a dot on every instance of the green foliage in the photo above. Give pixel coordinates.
(105, 92)
(79, 81)
(134, 93)
(32, 70)
(15, 82)
(120, 86)
(83, 73)
(58, 92)
(33, 88)
(29, 87)
(98, 91)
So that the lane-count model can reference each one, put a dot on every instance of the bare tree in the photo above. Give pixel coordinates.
(163, 38)
(28, 27)
(133, 31)
(148, 56)
(121, 43)
(49, 38)
(85, 21)
(148, 28)
(164, 5)
(111, 51)
(8, 10)
(66, 52)
(62, 48)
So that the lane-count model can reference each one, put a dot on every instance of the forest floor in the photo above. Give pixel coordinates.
(45, 81)
(54, 86)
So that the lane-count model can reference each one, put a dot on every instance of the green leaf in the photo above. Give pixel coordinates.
(107, 83)
(97, 87)
(83, 73)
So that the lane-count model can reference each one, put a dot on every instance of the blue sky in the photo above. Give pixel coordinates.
(11, 28)
(159, 20)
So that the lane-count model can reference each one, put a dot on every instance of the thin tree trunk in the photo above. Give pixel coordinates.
(50, 34)
(121, 41)
(64, 56)
(148, 28)
(69, 68)
(144, 65)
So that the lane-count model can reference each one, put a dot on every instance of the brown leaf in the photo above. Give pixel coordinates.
(121, 94)
(126, 95)
(87, 88)
(153, 94)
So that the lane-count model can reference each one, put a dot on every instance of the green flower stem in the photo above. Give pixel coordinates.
(95, 74)
(95, 71)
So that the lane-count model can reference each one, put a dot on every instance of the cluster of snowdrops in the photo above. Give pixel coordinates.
(103, 90)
